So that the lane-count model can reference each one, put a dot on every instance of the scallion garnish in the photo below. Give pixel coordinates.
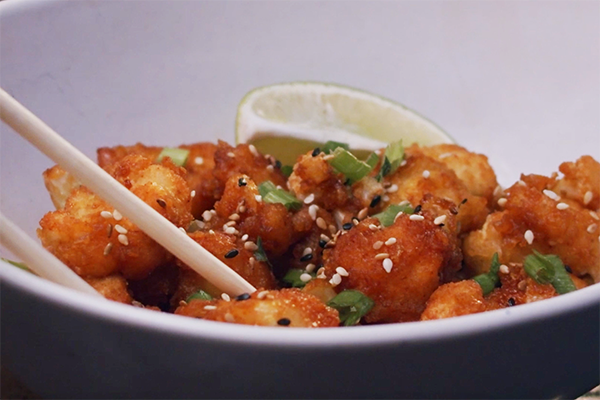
(287, 170)
(177, 155)
(292, 277)
(199, 295)
(17, 264)
(259, 254)
(490, 279)
(346, 163)
(387, 217)
(549, 268)
(394, 154)
(372, 160)
(271, 194)
(330, 146)
(352, 305)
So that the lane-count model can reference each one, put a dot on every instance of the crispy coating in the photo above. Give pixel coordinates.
(580, 178)
(157, 288)
(571, 233)
(321, 289)
(59, 184)
(89, 243)
(286, 307)
(454, 299)
(472, 169)
(113, 287)
(440, 181)
(420, 253)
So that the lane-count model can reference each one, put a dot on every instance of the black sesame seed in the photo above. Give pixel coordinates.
(568, 269)
(277, 164)
(418, 209)
(242, 182)
(453, 211)
(375, 201)
(284, 322)
(440, 225)
(232, 253)
(347, 226)
(464, 201)
(511, 302)
(322, 243)
(243, 296)
(316, 152)
(306, 257)
(161, 203)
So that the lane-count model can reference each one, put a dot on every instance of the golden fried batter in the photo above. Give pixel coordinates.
(581, 182)
(286, 307)
(416, 255)
(113, 287)
(59, 184)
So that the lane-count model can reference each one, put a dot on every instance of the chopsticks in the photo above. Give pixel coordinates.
(34, 130)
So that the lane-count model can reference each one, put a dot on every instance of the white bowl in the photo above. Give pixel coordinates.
(515, 80)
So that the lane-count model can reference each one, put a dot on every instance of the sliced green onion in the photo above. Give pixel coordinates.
(330, 146)
(271, 194)
(292, 277)
(287, 170)
(195, 226)
(352, 305)
(490, 279)
(387, 216)
(260, 255)
(17, 264)
(346, 163)
(549, 269)
(199, 295)
(177, 155)
(372, 160)
(394, 154)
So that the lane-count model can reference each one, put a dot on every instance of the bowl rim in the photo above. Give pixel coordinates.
(359, 336)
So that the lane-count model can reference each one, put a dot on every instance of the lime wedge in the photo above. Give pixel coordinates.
(289, 119)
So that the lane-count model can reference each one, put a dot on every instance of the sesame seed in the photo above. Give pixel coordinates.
(309, 199)
(415, 217)
(307, 250)
(107, 249)
(241, 209)
(594, 215)
(210, 307)
(120, 229)
(440, 220)
(390, 241)
(444, 155)
(502, 202)
(587, 197)
(228, 224)
(109, 230)
(522, 285)
(504, 269)
(270, 168)
(347, 226)
(385, 197)
(245, 237)
(198, 160)
(252, 260)
(258, 197)
(322, 276)
(417, 209)
(529, 236)
(403, 163)
(392, 189)
(123, 239)
(231, 231)
(355, 221)
(161, 203)
(324, 237)
(106, 214)
(261, 295)
(562, 206)
(332, 229)
(328, 157)
(253, 150)
(250, 246)
(232, 253)
(426, 174)
(284, 322)
(321, 223)
(511, 302)
(207, 215)
(193, 194)
(306, 257)
(310, 267)
(117, 215)
(551, 194)
(375, 201)
(234, 217)
(373, 227)
(316, 152)
(335, 280)
(230, 154)
(404, 203)
(592, 228)
(363, 213)
(387, 265)
(341, 271)
(211, 231)
(229, 318)
(497, 190)
(398, 215)
(381, 256)
(521, 183)
(305, 277)
(182, 230)
(312, 211)
(225, 297)
(377, 245)
(243, 296)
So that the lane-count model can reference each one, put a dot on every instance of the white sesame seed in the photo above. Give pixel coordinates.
(440, 220)
(307, 251)
(309, 199)
(252, 261)
(404, 203)
(398, 215)
(385, 197)
(373, 227)
(305, 277)
(504, 269)
(392, 189)
(335, 280)
(108, 248)
(416, 217)
(229, 318)
(245, 237)
(381, 256)
(106, 214)
(497, 190)
(403, 163)
(225, 297)
(324, 237)
(328, 157)
(442, 156)
(117, 215)
(502, 202)
(270, 168)
(120, 229)
(207, 215)
(258, 197)
(250, 246)
(592, 228)
(123, 239)
(310, 267)
(322, 275)
(551, 194)
(231, 231)
(377, 245)
(210, 307)
(341, 271)
(390, 241)
(182, 230)
(261, 295)
(521, 183)
(253, 150)
(595, 215)
(234, 217)
(199, 160)
(321, 223)
(387, 265)
(332, 229)
(587, 197)
(529, 236)
(312, 211)
(562, 206)
(213, 212)
(229, 223)
(242, 209)
(193, 194)
(426, 174)
(363, 213)
(230, 154)
(211, 231)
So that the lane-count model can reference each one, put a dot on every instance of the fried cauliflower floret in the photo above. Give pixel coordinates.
(113, 287)
(581, 182)
(286, 307)
(472, 169)
(59, 184)
(560, 227)
(95, 245)
(415, 257)
(454, 299)
(422, 175)
(157, 288)
(199, 167)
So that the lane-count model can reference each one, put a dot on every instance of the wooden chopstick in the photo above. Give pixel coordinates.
(38, 259)
(34, 130)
